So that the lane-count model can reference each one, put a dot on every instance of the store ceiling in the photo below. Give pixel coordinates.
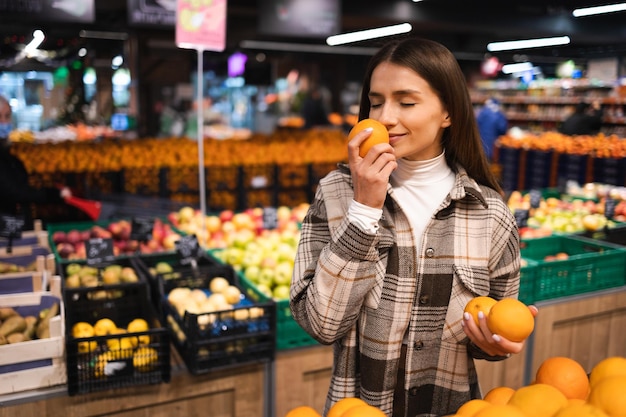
(464, 26)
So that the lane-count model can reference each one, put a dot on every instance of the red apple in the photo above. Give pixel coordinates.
(59, 236)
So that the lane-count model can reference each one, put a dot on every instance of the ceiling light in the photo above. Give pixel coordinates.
(368, 34)
(519, 67)
(528, 43)
(38, 38)
(609, 8)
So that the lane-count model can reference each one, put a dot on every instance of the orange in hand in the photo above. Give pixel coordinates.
(511, 319)
(378, 135)
(480, 303)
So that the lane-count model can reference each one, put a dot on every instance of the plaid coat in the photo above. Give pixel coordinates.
(363, 293)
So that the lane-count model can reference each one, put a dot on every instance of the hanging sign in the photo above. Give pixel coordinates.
(201, 25)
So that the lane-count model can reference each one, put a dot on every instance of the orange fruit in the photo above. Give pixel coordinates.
(500, 410)
(378, 135)
(480, 303)
(538, 400)
(104, 327)
(511, 319)
(609, 395)
(303, 411)
(565, 374)
(499, 395)
(472, 407)
(363, 411)
(341, 406)
(580, 410)
(611, 366)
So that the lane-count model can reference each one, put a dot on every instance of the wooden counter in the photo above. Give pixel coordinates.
(586, 328)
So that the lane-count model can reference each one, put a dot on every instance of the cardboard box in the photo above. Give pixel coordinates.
(37, 363)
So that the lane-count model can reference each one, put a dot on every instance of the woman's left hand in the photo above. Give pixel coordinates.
(492, 344)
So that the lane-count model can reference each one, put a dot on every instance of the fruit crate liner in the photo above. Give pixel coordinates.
(591, 266)
(97, 369)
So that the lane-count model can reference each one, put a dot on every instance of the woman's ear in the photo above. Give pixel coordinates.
(446, 121)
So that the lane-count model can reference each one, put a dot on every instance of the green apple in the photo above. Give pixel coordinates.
(283, 273)
(281, 292)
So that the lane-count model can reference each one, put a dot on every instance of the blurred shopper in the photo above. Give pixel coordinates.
(17, 194)
(586, 120)
(492, 123)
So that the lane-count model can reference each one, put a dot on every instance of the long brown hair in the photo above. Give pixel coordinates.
(438, 66)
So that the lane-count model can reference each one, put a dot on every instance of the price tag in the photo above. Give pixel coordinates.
(141, 229)
(188, 249)
(535, 198)
(11, 227)
(521, 217)
(99, 251)
(609, 208)
(270, 218)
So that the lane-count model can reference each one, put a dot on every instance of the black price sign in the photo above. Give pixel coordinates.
(99, 251)
(609, 208)
(270, 218)
(11, 226)
(141, 229)
(188, 249)
(521, 217)
(535, 198)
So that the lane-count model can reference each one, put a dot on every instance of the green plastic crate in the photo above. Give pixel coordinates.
(527, 282)
(590, 266)
(289, 334)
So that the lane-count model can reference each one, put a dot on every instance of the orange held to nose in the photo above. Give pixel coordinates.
(379, 134)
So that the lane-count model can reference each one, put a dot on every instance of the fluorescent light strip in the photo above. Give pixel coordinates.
(519, 67)
(609, 8)
(529, 43)
(368, 34)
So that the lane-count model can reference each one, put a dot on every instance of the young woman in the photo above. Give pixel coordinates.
(397, 242)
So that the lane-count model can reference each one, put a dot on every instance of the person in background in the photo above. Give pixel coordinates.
(396, 243)
(584, 120)
(17, 193)
(492, 123)
(314, 110)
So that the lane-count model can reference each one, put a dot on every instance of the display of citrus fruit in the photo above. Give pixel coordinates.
(379, 134)
(477, 304)
(303, 411)
(472, 407)
(609, 395)
(538, 400)
(363, 411)
(511, 319)
(566, 374)
(500, 410)
(580, 410)
(341, 406)
(499, 395)
(104, 327)
(611, 366)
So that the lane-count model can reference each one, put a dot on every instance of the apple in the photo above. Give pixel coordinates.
(226, 215)
(186, 214)
(59, 237)
(213, 223)
(65, 249)
(252, 272)
(281, 292)
(283, 273)
(73, 236)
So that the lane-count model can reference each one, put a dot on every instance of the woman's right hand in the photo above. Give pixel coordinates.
(370, 174)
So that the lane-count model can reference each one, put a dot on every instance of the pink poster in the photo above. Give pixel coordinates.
(201, 24)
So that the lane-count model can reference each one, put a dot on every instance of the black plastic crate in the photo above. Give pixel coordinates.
(117, 360)
(609, 171)
(540, 169)
(242, 334)
(573, 167)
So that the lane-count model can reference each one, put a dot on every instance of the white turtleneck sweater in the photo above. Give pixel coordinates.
(419, 187)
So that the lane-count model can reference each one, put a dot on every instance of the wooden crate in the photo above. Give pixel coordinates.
(45, 357)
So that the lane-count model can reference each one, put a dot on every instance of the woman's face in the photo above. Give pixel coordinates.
(412, 112)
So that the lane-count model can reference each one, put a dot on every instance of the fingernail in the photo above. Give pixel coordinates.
(368, 129)
(462, 323)
(481, 315)
(496, 338)
(466, 316)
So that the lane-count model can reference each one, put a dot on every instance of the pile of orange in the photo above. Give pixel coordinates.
(346, 407)
(562, 388)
